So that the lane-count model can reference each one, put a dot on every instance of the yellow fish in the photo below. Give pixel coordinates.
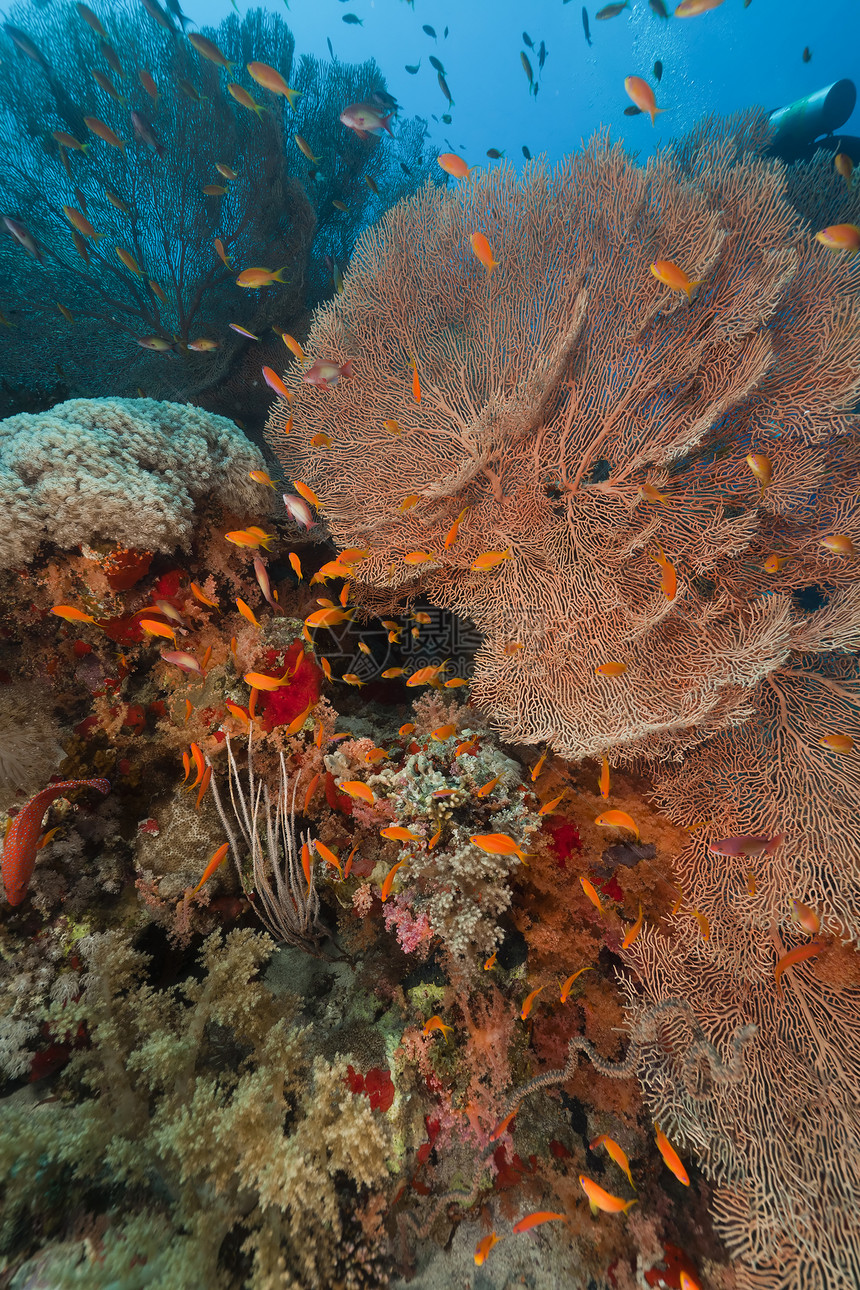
(617, 820)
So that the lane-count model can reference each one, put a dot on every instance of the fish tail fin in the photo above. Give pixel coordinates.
(657, 111)
(346, 368)
(595, 1209)
(276, 276)
(630, 1205)
(774, 843)
(385, 123)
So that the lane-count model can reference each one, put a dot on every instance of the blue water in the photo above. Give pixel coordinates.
(721, 61)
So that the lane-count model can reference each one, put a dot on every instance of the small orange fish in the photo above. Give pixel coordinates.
(775, 562)
(239, 713)
(200, 595)
(504, 1125)
(71, 614)
(633, 932)
(186, 762)
(648, 492)
(454, 165)
(671, 1157)
(307, 493)
(328, 855)
(750, 882)
(406, 729)
(262, 477)
(842, 164)
(153, 628)
(416, 383)
(199, 763)
(668, 577)
(611, 669)
(435, 838)
(352, 678)
(275, 384)
(408, 502)
(669, 273)
(616, 1152)
(444, 732)
(837, 743)
(497, 844)
(215, 860)
(799, 954)
(309, 795)
(222, 253)
(568, 984)
(246, 611)
(483, 251)
(357, 788)
(528, 1001)
(293, 346)
(840, 237)
(385, 890)
(688, 1282)
(617, 820)
(393, 427)
(260, 681)
(549, 807)
(189, 707)
(273, 81)
(328, 617)
(805, 916)
(451, 535)
(436, 1023)
(538, 766)
(838, 544)
(643, 96)
(255, 279)
(396, 833)
(418, 557)
(592, 894)
(251, 538)
(295, 726)
(482, 1249)
(321, 440)
(425, 675)
(603, 782)
(535, 1220)
(490, 963)
(599, 1199)
(761, 467)
(490, 560)
(391, 672)
(704, 925)
(512, 647)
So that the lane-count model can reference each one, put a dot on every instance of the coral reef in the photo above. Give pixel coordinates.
(127, 471)
(556, 389)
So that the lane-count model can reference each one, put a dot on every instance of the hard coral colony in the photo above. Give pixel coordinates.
(525, 724)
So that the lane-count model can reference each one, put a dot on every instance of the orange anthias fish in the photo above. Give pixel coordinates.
(535, 1220)
(799, 954)
(611, 669)
(704, 925)
(671, 1157)
(396, 833)
(490, 963)
(568, 984)
(690, 8)
(275, 383)
(600, 1199)
(208, 49)
(482, 1249)
(246, 611)
(671, 275)
(242, 97)
(842, 164)
(71, 614)
(416, 382)
(272, 81)
(548, 807)
(837, 743)
(454, 165)
(528, 1001)
(436, 1023)
(198, 594)
(616, 1152)
(154, 628)
(215, 860)
(22, 839)
(838, 544)
(603, 782)
(388, 882)
(805, 917)
(633, 932)
(250, 538)
(255, 279)
(451, 535)
(490, 560)
(592, 894)
(762, 467)
(497, 844)
(260, 681)
(840, 237)
(357, 788)
(504, 1125)
(444, 732)
(483, 251)
(329, 856)
(328, 617)
(745, 844)
(425, 675)
(617, 820)
(642, 95)
(668, 577)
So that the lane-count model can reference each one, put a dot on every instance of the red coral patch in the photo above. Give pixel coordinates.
(281, 707)
(564, 838)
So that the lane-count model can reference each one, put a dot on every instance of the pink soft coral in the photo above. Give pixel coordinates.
(413, 931)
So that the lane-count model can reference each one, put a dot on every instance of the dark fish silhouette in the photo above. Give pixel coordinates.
(164, 20)
(526, 153)
(435, 63)
(542, 53)
(527, 68)
(585, 23)
(330, 50)
(494, 154)
(658, 70)
(807, 54)
(528, 40)
(353, 20)
(176, 10)
(632, 111)
(611, 10)
(429, 31)
(414, 68)
(447, 118)
(26, 45)
(443, 86)
(658, 7)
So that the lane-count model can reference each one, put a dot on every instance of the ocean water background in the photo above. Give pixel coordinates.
(718, 62)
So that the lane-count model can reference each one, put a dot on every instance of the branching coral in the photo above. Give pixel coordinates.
(118, 470)
(183, 1144)
(558, 386)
